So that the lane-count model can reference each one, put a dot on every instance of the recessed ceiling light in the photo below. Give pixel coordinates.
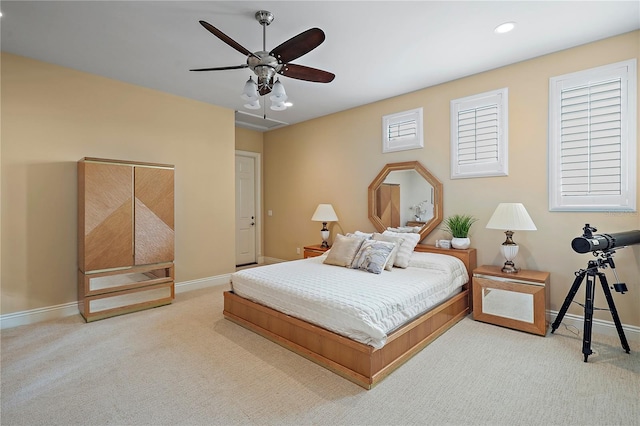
(504, 28)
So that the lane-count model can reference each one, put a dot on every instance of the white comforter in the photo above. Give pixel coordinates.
(357, 304)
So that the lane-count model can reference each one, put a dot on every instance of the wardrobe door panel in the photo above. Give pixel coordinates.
(154, 215)
(388, 207)
(107, 216)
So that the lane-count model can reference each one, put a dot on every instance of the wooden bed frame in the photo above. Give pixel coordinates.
(360, 363)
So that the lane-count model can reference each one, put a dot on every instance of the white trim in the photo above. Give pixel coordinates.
(32, 316)
(497, 100)
(203, 283)
(47, 313)
(626, 71)
(403, 143)
(606, 328)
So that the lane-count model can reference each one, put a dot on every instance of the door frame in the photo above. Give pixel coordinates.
(257, 174)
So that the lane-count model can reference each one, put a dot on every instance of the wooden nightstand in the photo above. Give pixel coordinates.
(515, 301)
(314, 250)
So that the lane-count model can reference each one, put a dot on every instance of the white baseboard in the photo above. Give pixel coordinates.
(33, 316)
(203, 283)
(607, 328)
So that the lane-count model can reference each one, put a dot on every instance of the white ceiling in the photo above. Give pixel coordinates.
(377, 49)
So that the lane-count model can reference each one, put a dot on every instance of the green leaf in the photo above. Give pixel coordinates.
(458, 225)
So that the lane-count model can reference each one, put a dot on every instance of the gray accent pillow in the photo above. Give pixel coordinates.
(373, 256)
(390, 239)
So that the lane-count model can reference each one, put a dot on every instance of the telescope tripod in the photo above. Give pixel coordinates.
(591, 273)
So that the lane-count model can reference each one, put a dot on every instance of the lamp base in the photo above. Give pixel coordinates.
(510, 268)
(324, 232)
(509, 250)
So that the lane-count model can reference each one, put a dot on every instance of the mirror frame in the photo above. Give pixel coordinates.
(422, 171)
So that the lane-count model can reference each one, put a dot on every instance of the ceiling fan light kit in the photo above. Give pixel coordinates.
(266, 64)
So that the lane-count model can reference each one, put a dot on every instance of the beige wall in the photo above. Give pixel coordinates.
(333, 159)
(249, 140)
(52, 117)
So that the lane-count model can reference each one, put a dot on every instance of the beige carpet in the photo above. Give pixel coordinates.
(184, 364)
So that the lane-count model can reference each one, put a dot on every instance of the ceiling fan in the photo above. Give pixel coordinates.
(266, 64)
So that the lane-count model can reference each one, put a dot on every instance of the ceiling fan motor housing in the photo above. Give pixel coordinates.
(265, 67)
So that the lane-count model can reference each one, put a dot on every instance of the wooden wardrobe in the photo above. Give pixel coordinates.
(125, 236)
(388, 208)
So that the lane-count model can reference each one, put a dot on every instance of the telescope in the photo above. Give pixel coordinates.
(603, 242)
(603, 247)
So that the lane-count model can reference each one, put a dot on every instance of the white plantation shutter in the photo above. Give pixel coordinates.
(479, 135)
(402, 131)
(592, 142)
(406, 129)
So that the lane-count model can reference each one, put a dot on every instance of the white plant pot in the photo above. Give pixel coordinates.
(460, 243)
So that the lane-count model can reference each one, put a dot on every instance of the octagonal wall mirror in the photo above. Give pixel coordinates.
(405, 194)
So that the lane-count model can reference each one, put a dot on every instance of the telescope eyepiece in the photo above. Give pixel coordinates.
(588, 231)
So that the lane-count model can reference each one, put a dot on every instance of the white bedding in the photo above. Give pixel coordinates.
(357, 304)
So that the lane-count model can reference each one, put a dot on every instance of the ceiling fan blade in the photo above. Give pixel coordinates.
(232, 67)
(307, 73)
(222, 36)
(299, 45)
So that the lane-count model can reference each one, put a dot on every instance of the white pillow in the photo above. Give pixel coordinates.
(410, 241)
(373, 256)
(343, 250)
(366, 235)
(397, 241)
(404, 229)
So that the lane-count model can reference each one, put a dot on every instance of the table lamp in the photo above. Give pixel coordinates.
(324, 213)
(510, 217)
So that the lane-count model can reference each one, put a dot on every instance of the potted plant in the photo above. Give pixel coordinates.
(458, 226)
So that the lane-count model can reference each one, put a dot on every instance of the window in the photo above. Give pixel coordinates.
(479, 135)
(402, 131)
(592, 139)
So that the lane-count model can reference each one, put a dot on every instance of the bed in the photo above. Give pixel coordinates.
(364, 363)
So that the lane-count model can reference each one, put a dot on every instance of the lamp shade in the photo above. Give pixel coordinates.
(511, 216)
(250, 92)
(324, 213)
(278, 106)
(253, 104)
(277, 92)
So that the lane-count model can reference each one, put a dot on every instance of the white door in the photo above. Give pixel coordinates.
(245, 210)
